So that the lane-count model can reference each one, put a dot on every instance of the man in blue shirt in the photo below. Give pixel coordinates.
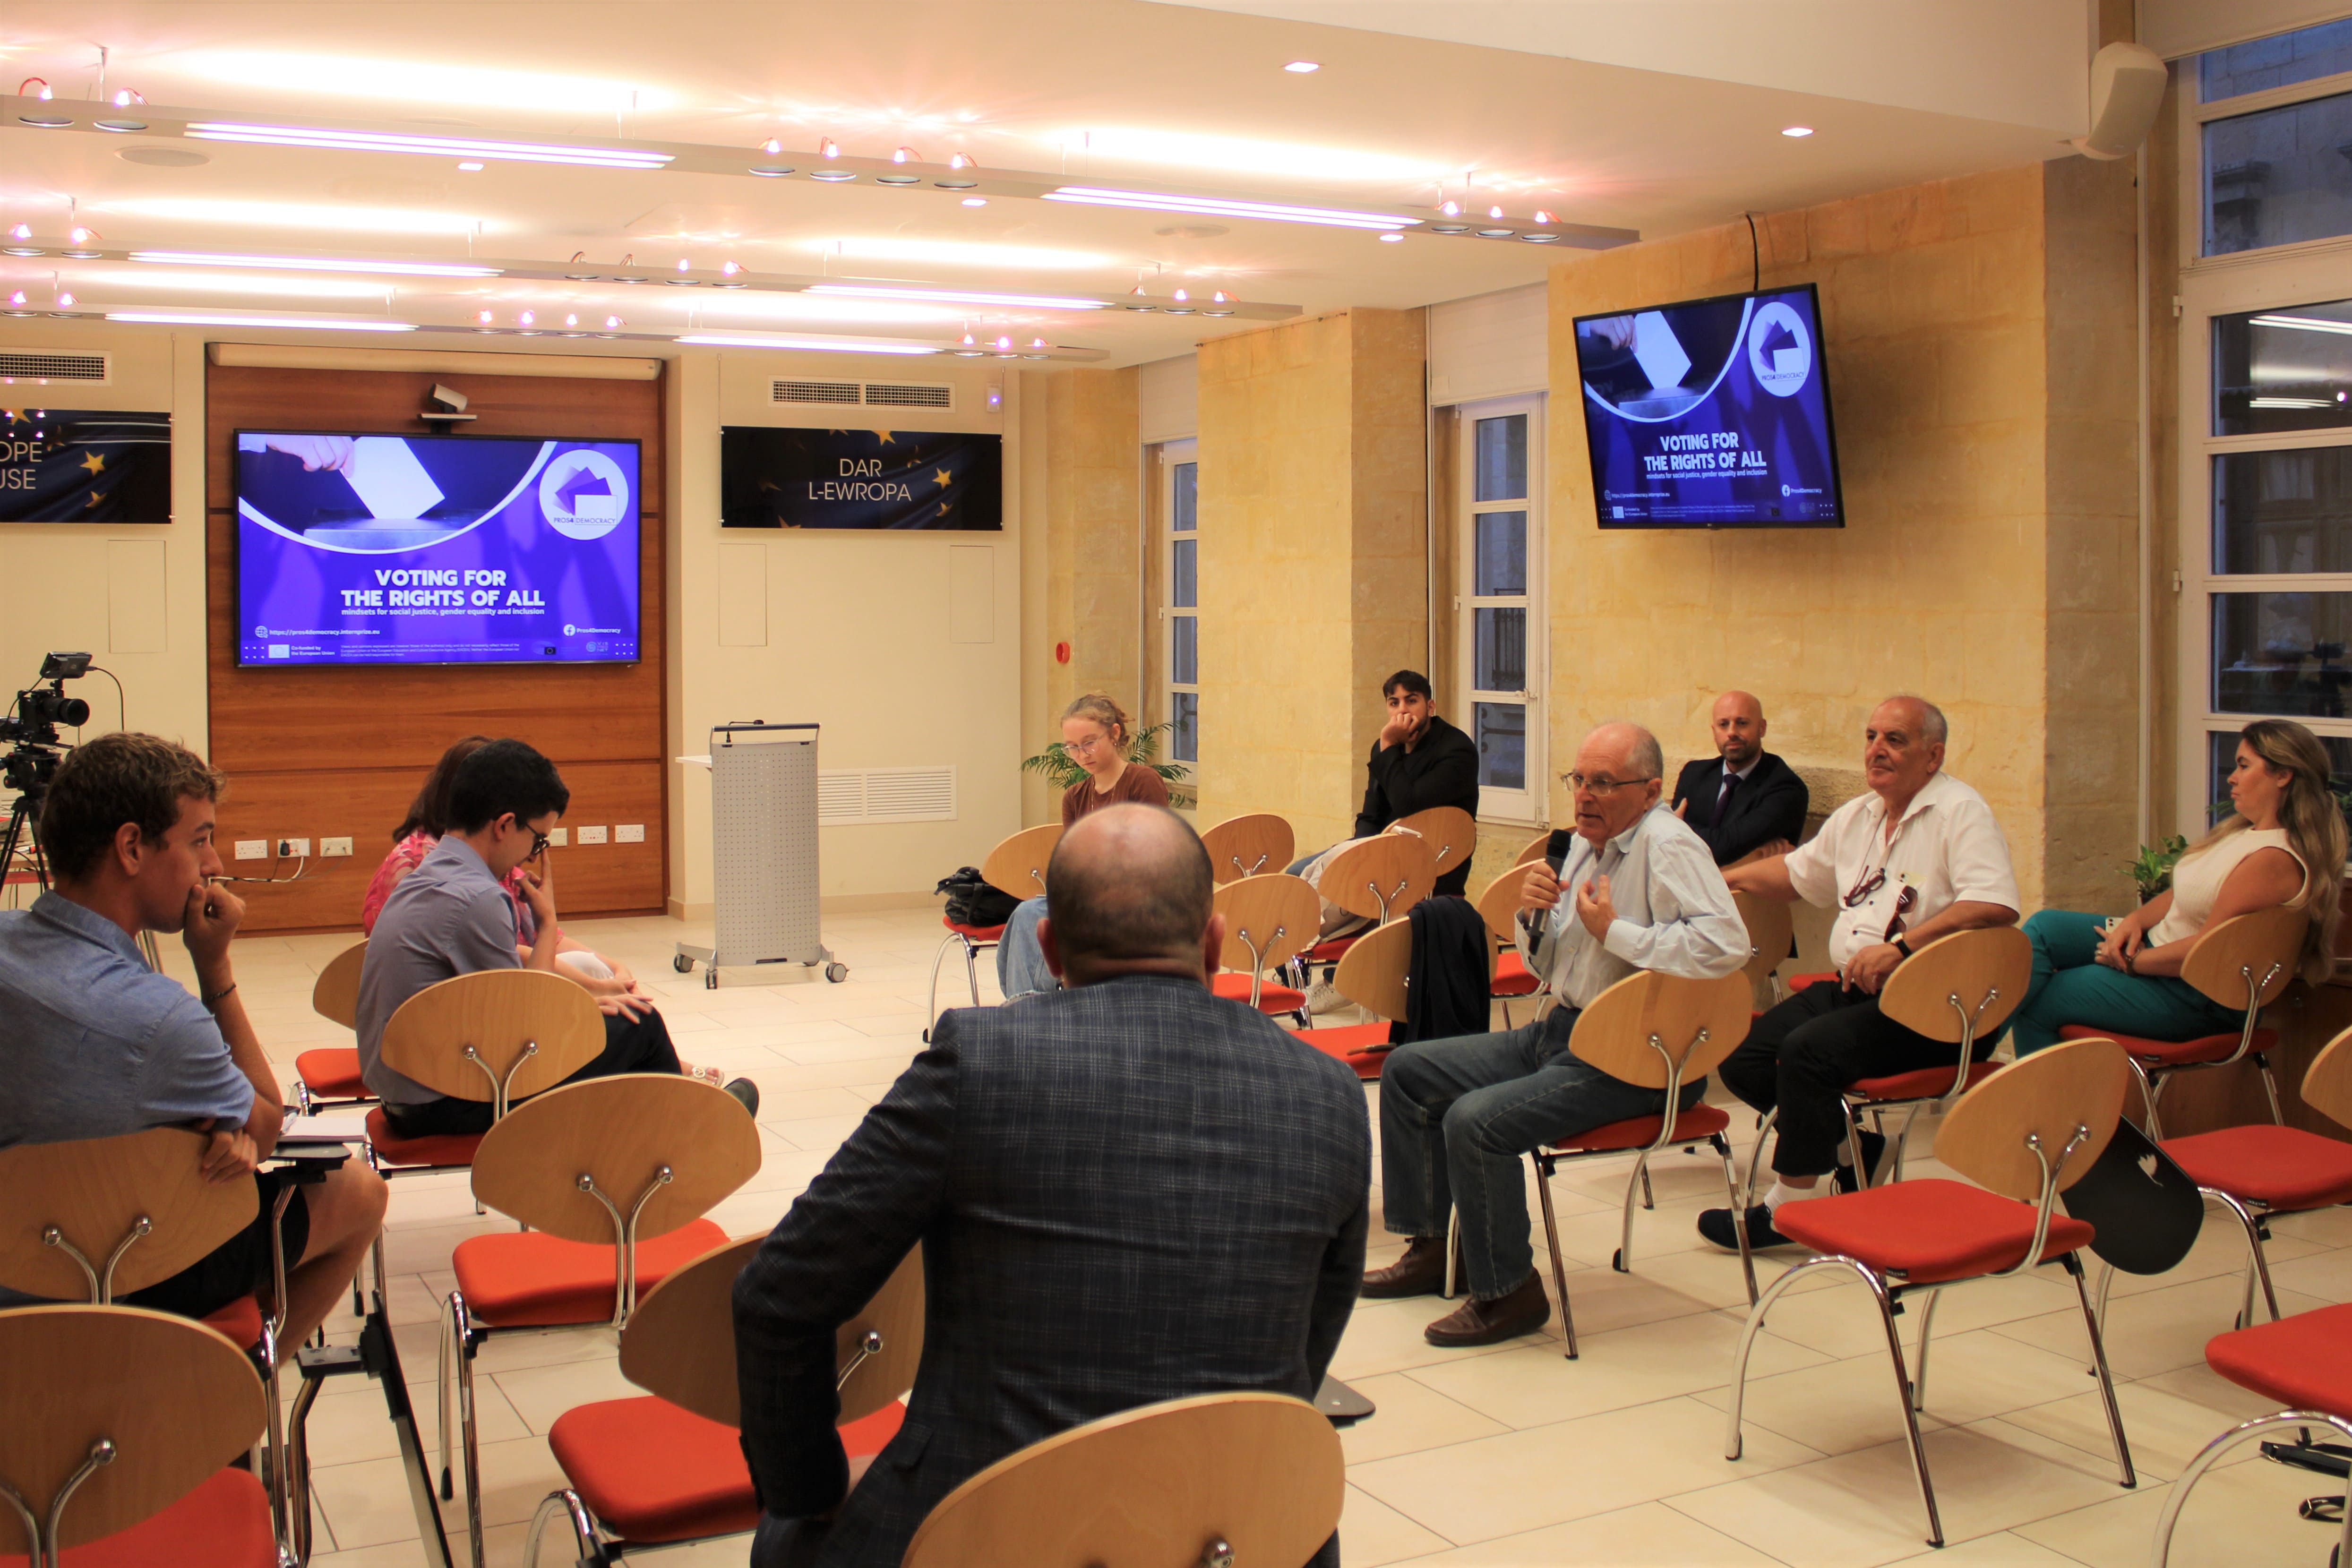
(98, 1045)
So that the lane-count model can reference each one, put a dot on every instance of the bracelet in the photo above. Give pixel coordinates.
(213, 1002)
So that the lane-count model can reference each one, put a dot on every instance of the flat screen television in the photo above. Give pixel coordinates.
(1711, 413)
(434, 550)
(85, 465)
(909, 480)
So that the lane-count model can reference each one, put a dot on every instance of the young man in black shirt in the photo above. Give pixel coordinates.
(1418, 762)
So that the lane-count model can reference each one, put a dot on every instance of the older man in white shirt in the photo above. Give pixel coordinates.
(1917, 858)
(1457, 1115)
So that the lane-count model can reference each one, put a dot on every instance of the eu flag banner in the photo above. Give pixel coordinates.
(84, 466)
(784, 479)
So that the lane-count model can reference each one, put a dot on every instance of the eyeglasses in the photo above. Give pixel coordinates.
(538, 841)
(1865, 887)
(1598, 788)
(1086, 744)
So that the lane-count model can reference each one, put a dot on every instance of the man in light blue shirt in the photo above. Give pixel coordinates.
(1457, 1115)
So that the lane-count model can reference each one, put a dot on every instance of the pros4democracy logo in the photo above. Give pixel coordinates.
(583, 495)
(1779, 349)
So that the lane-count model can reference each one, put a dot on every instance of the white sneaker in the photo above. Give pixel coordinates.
(1322, 997)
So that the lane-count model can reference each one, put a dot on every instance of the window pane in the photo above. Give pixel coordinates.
(1502, 552)
(1183, 650)
(1185, 500)
(2289, 368)
(1183, 586)
(1502, 657)
(1185, 741)
(2284, 511)
(2282, 61)
(2222, 751)
(1502, 462)
(2281, 653)
(1502, 746)
(2276, 176)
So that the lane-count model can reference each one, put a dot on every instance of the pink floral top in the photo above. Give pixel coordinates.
(410, 852)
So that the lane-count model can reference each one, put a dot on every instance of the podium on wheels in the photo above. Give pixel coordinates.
(763, 854)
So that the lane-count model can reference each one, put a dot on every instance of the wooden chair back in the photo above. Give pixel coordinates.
(1017, 865)
(336, 996)
(1449, 831)
(1533, 850)
(1372, 971)
(1771, 926)
(621, 1132)
(2261, 947)
(1398, 867)
(94, 1192)
(1267, 919)
(1978, 976)
(2328, 1083)
(1251, 845)
(1260, 1475)
(1615, 1031)
(177, 1401)
(502, 1015)
(1498, 905)
(680, 1342)
(2074, 1084)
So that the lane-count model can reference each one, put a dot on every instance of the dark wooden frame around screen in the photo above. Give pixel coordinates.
(323, 752)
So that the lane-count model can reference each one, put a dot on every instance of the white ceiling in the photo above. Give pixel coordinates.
(1186, 96)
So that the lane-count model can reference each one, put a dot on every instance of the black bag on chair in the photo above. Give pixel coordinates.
(972, 902)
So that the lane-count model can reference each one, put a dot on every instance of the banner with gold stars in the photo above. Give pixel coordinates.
(786, 479)
(84, 466)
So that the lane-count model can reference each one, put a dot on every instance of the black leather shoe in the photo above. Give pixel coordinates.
(1420, 1272)
(744, 1090)
(1714, 1224)
(1474, 1321)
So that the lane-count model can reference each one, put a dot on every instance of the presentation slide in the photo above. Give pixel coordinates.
(436, 549)
(1711, 415)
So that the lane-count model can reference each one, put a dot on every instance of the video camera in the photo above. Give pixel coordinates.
(32, 721)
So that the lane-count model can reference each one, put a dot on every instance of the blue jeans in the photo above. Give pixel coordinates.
(1458, 1116)
(1020, 962)
(2070, 985)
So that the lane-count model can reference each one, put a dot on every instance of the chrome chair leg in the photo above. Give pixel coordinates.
(2270, 1089)
(2149, 1093)
(1738, 1221)
(588, 1549)
(2229, 1439)
(1910, 1415)
(1755, 1163)
(1455, 1283)
(1638, 1183)
(2073, 1265)
(1551, 1238)
(443, 1372)
(2258, 1263)
(1854, 1154)
(1649, 1198)
(931, 1011)
(1919, 1357)
(1756, 1315)
(469, 1428)
(972, 970)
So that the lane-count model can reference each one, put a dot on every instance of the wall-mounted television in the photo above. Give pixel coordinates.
(1711, 413)
(85, 465)
(356, 548)
(922, 480)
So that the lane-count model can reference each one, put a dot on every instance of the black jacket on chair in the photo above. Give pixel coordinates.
(1125, 1193)
(1770, 803)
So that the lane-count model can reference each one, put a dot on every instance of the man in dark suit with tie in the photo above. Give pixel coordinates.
(1745, 799)
(1126, 1191)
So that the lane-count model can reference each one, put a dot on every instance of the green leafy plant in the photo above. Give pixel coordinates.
(1062, 770)
(2151, 869)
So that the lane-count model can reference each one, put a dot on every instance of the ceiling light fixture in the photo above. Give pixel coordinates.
(828, 148)
(964, 161)
(835, 346)
(2305, 324)
(297, 214)
(22, 231)
(1392, 239)
(1302, 67)
(772, 147)
(371, 77)
(1153, 201)
(469, 167)
(65, 301)
(1796, 130)
(905, 155)
(1449, 207)
(1494, 212)
(2288, 402)
(1543, 217)
(483, 317)
(316, 264)
(975, 201)
(958, 253)
(441, 146)
(613, 323)
(955, 297)
(274, 323)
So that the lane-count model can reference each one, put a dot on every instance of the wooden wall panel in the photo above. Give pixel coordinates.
(351, 745)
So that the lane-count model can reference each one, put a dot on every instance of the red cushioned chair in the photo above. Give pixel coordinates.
(614, 1177)
(1369, 879)
(2026, 1134)
(1373, 974)
(667, 1467)
(1269, 918)
(1655, 1031)
(2300, 1363)
(1016, 868)
(1956, 988)
(1498, 905)
(328, 1079)
(140, 1414)
(2243, 962)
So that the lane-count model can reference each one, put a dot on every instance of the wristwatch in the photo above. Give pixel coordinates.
(1901, 946)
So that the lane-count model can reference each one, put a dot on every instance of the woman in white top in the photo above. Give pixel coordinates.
(2284, 844)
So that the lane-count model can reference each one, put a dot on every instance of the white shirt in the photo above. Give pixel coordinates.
(1729, 773)
(2196, 881)
(1948, 849)
(1674, 915)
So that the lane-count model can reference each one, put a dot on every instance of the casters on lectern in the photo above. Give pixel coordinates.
(682, 964)
(836, 972)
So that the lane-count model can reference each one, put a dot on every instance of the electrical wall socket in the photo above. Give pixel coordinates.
(629, 833)
(560, 837)
(296, 849)
(253, 849)
(334, 849)
(592, 835)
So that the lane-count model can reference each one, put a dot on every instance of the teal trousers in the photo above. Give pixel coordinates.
(2070, 985)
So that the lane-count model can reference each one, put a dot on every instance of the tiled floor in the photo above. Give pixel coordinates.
(1511, 1455)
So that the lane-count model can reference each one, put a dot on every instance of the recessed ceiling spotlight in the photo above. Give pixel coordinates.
(828, 148)
(1796, 130)
(469, 167)
(528, 319)
(1494, 212)
(483, 317)
(613, 323)
(1392, 239)
(46, 93)
(1498, 234)
(964, 161)
(683, 265)
(1450, 208)
(772, 147)
(81, 254)
(1542, 216)
(65, 301)
(22, 231)
(728, 269)
(906, 156)
(21, 250)
(975, 201)
(1302, 67)
(834, 176)
(771, 172)
(572, 321)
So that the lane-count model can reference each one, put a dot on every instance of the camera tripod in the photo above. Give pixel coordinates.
(24, 817)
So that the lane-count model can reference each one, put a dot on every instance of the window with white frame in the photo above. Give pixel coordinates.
(1501, 625)
(2265, 314)
(1180, 476)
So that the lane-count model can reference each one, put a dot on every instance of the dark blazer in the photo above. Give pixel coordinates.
(1769, 804)
(1442, 769)
(1126, 1193)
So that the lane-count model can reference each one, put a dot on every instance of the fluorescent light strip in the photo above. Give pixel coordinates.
(2289, 403)
(314, 264)
(439, 146)
(955, 297)
(279, 323)
(1216, 207)
(2305, 324)
(824, 345)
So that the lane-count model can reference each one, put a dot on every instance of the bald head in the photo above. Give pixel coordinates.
(1620, 764)
(1129, 891)
(1738, 729)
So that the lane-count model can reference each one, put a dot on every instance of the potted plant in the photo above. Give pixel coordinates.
(2151, 869)
(1062, 770)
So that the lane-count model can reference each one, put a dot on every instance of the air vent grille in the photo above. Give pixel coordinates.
(847, 796)
(905, 395)
(31, 364)
(813, 392)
